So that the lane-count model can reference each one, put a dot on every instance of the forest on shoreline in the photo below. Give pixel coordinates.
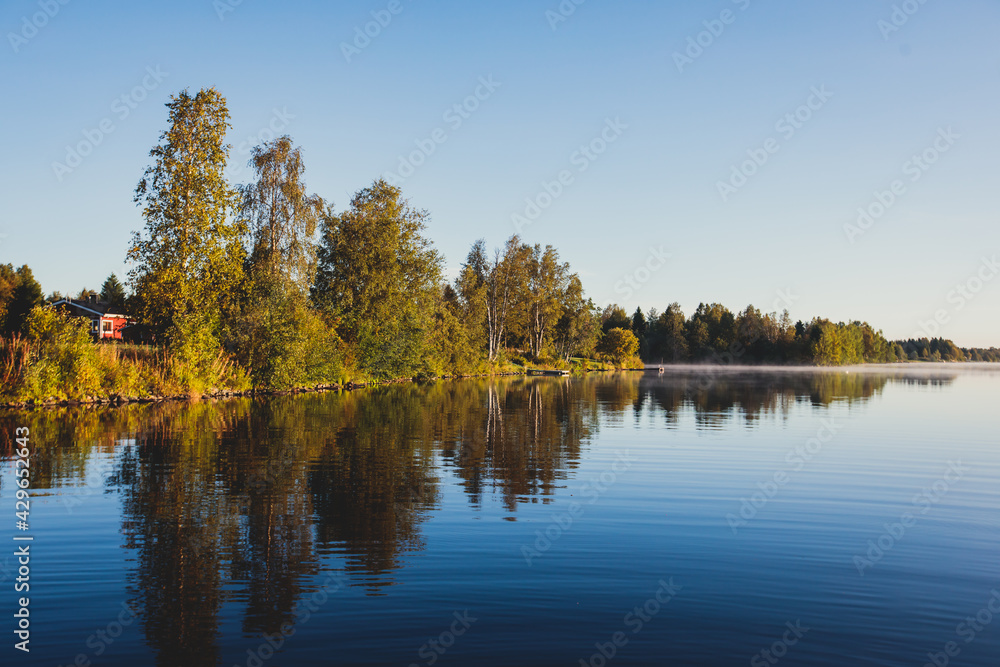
(266, 286)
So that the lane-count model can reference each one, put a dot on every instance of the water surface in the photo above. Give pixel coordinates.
(829, 518)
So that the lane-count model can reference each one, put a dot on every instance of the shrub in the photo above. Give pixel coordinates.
(57, 359)
(63, 362)
(198, 362)
(619, 346)
(285, 344)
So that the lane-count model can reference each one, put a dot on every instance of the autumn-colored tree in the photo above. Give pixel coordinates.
(828, 350)
(619, 346)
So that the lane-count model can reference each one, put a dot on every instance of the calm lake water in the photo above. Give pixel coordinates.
(827, 518)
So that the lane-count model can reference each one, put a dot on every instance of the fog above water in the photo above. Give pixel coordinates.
(899, 369)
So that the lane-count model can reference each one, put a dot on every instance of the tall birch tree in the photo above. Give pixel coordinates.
(189, 258)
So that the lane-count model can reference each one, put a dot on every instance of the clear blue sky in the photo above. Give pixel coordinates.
(656, 186)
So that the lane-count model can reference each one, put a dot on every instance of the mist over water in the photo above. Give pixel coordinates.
(701, 516)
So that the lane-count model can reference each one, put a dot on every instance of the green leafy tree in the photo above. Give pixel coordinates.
(899, 352)
(65, 362)
(753, 332)
(876, 349)
(640, 327)
(280, 339)
(283, 343)
(579, 325)
(379, 279)
(668, 337)
(8, 283)
(639, 323)
(452, 349)
(471, 294)
(697, 338)
(719, 329)
(546, 283)
(189, 260)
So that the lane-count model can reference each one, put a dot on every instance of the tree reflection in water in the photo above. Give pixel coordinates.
(246, 503)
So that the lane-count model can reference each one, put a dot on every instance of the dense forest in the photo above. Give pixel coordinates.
(714, 334)
(266, 285)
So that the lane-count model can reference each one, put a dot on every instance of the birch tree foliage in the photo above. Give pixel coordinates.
(279, 338)
(547, 281)
(280, 216)
(524, 295)
(579, 325)
(189, 257)
(488, 290)
(470, 288)
(504, 281)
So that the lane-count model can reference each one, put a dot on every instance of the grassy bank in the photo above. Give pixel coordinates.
(57, 361)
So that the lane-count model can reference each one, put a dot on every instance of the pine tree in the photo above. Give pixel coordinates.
(19, 294)
(113, 292)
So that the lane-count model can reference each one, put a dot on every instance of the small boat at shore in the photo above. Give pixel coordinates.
(543, 371)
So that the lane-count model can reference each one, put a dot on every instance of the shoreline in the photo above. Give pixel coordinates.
(119, 400)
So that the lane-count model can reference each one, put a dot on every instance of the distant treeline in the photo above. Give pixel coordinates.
(714, 334)
(940, 349)
(265, 285)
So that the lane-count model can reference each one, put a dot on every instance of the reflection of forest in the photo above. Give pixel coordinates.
(244, 502)
(719, 397)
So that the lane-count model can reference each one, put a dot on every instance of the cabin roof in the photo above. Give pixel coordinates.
(95, 309)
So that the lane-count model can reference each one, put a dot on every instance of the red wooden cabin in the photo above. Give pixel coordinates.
(106, 323)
